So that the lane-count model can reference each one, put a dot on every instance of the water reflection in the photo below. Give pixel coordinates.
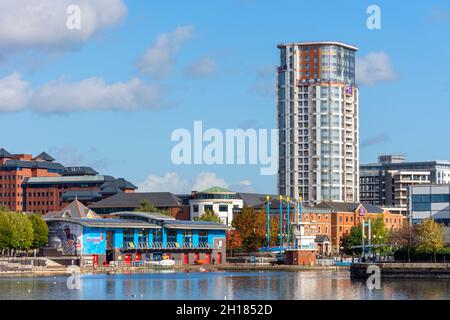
(221, 285)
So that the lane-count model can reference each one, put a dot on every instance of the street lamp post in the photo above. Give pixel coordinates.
(281, 224)
(288, 221)
(268, 222)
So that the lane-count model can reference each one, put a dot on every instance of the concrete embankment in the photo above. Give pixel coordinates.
(402, 270)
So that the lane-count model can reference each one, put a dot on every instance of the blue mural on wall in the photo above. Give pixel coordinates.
(94, 241)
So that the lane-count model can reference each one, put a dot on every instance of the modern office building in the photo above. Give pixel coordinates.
(431, 201)
(79, 233)
(386, 182)
(317, 104)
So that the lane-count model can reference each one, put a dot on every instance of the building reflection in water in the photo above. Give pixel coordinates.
(325, 284)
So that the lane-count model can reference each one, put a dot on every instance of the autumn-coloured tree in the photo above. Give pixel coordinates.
(275, 231)
(234, 240)
(431, 236)
(251, 225)
(406, 238)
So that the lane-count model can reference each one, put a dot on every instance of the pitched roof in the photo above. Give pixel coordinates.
(116, 185)
(147, 215)
(132, 200)
(45, 156)
(349, 206)
(5, 154)
(74, 210)
(253, 199)
(275, 205)
(33, 164)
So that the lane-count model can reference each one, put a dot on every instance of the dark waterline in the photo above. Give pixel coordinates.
(220, 286)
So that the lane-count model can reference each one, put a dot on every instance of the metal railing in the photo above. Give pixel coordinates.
(167, 245)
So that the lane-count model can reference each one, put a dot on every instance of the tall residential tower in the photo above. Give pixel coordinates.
(317, 102)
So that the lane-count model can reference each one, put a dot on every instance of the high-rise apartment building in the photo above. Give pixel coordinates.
(317, 102)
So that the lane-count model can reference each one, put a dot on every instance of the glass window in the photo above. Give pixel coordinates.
(195, 207)
(157, 235)
(208, 207)
(171, 235)
(143, 235)
(223, 208)
(419, 206)
(187, 237)
(421, 198)
(203, 236)
(128, 235)
(440, 198)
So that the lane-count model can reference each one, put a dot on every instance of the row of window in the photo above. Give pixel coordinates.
(430, 198)
(209, 207)
(30, 203)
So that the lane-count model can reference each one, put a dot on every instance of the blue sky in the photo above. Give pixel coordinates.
(92, 98)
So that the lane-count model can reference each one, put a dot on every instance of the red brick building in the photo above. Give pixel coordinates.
(15, 168)
(344, 216)
(331, 221)
(38, 184)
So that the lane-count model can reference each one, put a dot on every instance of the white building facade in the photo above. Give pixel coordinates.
(218, 200)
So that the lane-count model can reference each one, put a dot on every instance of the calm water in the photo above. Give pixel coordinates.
(220, 285)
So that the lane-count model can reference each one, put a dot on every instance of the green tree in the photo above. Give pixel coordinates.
(22, 235)
(379, 235)
(5, 231)
(210, 216)
(16, 231)
(147, 206)
(353, 239)
(431, 236)
(40, 231)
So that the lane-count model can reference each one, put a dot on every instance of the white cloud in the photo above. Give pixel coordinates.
(172, 182)
(93, 93)
(202, 68)
(31, 24)
(207, 180)
(373, 68)
(14, 93)
(243, 186)
(158, 60)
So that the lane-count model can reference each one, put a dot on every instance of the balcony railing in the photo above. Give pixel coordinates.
(166, 246)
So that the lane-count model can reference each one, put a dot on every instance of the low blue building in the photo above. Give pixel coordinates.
(77, 231)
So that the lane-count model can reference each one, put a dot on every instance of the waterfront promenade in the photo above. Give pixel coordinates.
(412, 270)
